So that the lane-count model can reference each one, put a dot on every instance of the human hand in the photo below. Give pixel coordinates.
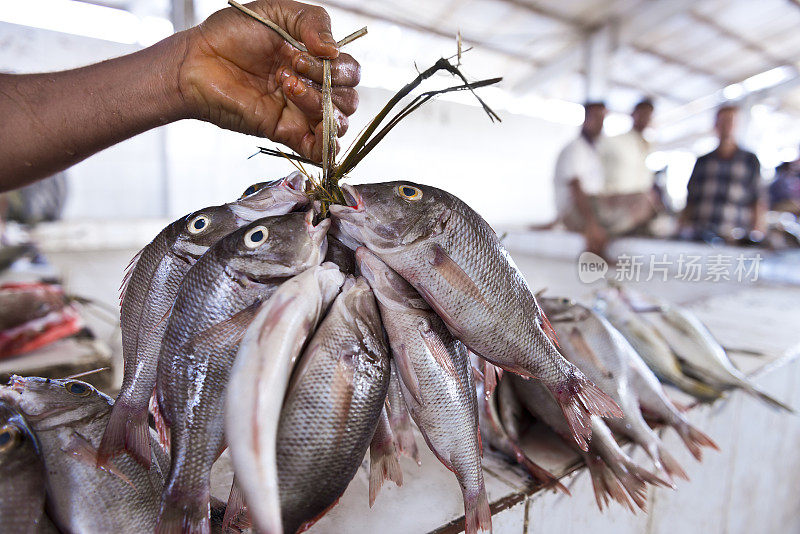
(596, 239)
(242, 76)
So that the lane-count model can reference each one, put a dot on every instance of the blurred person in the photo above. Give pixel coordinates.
(230, 70)
(579, 178)
(725, 198)
(784, 191)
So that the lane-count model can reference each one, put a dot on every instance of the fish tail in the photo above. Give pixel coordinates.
(694, 440)
(634, 479)
(477, 514)
(127, 430)
(236, 514)
(383, 465)
(579, 399)
(162, 428)
(772, 401)
(606, 485)
(403, 437)
(184, 513)
(670, 465)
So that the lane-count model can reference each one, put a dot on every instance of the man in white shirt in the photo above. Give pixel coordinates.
(579, 178)
(624, 156)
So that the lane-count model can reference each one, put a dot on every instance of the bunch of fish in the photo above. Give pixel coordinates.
(301, 342)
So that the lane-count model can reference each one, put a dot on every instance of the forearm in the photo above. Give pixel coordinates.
(54, 120)
(582, 203)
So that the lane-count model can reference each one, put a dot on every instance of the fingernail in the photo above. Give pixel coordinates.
(283, 74)
(302, 63)
(327, 38)
(295, 86)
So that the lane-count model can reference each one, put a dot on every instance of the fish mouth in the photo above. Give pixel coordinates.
(353, 198)
(295, 181)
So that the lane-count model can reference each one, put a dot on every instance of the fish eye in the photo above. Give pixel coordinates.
(10, 437)
(409, 192)
(79, 389)
(198, 224)
(255, 236)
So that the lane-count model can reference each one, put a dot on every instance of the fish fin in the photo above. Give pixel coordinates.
(477, 514)
(82, 450)
(383, 465)
(236, 515)
(605, 484)
(670, 465)
(539, 474)
(579, 399)
(127, 430)
(579, 343)
(182, 514)
(162, 428)
(451, 323)
(548, 329)
(694, 439)
(407, 374)
(455, 275)
(439, 351)
(492, 375)
(405, 442)
(166, 315)
(230, 330)
(126, 279)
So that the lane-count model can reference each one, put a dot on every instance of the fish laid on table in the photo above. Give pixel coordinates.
(332, 407)
(68, 418)
(216, 302)
(649, 343)
(22, 476)
(700, 355)
(437, 383)
(589, 341)
(260, 376)
(456, 262)
(496, 436)
(148, 293)
(613, 472)
(22, 302)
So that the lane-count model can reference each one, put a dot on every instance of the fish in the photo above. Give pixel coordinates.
(436, 380)
(399, 419)
(494, 433)
(589, 341)
(454, 259)
(699, 354)
(384, 458)
(341, 255)
(217, 300)
(614, 474)
(332, 407)
(148, 293)
(260, 375)
(649, 343)
(68, 418)
(22, 475)
(22, 302)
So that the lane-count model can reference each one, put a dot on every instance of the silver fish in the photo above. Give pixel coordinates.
(216, 302)
(332, 408)
(259, 378)
(22, 475)
(613, 472)
(649, 343)
(148, 293)
(589, 341)
(456, 262)
(68, 418)
(437, 382)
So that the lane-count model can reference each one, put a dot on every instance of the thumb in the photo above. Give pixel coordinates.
(314, 26)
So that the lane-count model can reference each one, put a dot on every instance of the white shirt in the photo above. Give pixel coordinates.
(623, 158)
(579, 159)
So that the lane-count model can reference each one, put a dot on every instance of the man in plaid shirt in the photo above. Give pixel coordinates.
(725, 195)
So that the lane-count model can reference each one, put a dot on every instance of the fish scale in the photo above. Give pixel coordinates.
(332, 408)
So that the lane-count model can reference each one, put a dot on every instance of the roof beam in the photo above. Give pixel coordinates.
(542, 11)
(424, 28)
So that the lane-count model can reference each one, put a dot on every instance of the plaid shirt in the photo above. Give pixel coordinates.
(722, 193)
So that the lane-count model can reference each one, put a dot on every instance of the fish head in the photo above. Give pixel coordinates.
(389, 287)
(18, 443)
(278, 197)
(50, 402)
(555, 305)
(274, 247)
(391, 215)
